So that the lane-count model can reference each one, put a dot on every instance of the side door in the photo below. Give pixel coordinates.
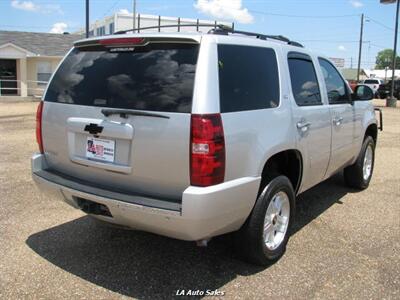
(343, 116)
(311, 118)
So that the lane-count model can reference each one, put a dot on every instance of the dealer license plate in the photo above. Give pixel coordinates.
(100, 149)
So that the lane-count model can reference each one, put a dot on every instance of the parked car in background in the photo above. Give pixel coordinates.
(384, 89)
(373, 84)
(196, 135)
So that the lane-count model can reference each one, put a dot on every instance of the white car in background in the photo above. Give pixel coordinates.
(373, 84)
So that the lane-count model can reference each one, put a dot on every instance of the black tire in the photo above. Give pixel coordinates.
(249, 240)
(353, 175)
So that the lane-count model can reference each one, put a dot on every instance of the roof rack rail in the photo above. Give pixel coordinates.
(218, 29)
(221, 29)
(197, 25)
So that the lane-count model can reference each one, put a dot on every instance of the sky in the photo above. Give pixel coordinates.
(330, 27)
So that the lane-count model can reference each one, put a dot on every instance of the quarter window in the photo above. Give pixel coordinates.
(248, 78)
(304, 80)
(336, 87)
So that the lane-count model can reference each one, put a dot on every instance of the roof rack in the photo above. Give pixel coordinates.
(197, 25)
(219, 29)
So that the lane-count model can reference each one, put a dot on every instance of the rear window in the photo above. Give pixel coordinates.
(369, 81)
(156, 77)
(248, 78)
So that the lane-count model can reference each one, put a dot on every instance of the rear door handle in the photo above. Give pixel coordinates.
(337, 121)
(303, 126)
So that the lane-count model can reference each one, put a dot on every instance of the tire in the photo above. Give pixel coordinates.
(250, 242)
(356, 176)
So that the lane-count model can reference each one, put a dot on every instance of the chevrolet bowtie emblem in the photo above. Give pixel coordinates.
(93, 128)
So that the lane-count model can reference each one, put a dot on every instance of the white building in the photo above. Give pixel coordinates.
(382, 74)
(123, 21)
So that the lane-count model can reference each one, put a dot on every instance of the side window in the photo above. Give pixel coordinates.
(248, 78)
(335, 85)
(304, 80)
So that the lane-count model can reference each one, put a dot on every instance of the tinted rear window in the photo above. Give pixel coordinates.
(371, 81)
(248, 78)
(157, 77)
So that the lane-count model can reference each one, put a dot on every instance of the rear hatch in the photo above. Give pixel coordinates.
(117, 114)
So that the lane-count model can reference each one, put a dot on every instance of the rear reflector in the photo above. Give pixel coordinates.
(121, 41)
(39, 138)
(207, 159)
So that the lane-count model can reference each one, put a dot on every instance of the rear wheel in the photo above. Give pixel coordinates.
(263, 238)
(359, 174)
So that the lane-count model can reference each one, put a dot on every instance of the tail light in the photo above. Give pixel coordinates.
(39, 138)
(207, 160)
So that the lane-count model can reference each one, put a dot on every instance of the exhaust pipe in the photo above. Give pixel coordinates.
(93, 208)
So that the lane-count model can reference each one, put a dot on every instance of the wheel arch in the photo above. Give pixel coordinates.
(372, 131)
(286, 162)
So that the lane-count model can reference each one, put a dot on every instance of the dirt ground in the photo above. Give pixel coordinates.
(345, 243)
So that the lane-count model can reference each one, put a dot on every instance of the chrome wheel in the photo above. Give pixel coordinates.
(276, 220)
(367, 166)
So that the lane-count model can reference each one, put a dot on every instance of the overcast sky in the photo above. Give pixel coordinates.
(331, 27)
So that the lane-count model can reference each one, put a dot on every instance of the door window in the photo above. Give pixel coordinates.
(336, 87)
(304, 80)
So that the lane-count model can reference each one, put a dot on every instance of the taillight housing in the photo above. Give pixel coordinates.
(39, 138)
(207, 149)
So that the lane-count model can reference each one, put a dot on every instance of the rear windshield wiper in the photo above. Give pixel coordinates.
(123, 113)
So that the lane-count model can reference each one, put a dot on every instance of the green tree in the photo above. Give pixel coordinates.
(384, 59)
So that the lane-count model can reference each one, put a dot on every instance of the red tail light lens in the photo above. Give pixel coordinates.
(121, 41)
(207, 160)
(39, 138)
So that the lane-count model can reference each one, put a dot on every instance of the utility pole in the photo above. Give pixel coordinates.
(360, 48)
(391, 102)
(87, 18)
(351, 62)
(134, 14)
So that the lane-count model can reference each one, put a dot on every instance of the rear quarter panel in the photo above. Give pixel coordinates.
(251, 137)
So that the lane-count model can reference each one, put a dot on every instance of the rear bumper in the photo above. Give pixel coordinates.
(203, 213)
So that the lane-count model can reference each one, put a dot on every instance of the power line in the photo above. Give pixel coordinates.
(381, 24)
(111, 8)
(302, 16)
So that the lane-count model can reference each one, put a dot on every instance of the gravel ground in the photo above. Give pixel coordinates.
(345, 244)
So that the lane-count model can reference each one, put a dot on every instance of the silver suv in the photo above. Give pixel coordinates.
(197, 135)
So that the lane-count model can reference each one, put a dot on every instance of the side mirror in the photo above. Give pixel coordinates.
(362, 93)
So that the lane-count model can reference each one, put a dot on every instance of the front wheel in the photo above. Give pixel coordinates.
(263, 237)
(359, 174)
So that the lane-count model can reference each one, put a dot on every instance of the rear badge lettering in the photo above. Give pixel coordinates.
(122, 49)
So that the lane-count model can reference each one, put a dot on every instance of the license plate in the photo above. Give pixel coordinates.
(100, 149)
